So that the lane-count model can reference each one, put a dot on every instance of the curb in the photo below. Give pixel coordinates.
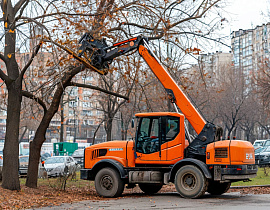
(241, 187)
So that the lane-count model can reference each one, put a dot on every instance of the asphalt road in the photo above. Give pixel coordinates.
(228, 201)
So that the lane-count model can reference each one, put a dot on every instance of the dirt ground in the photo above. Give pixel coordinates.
(50, 196)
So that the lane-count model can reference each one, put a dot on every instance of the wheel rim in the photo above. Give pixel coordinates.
(188, 181)
(106, 182)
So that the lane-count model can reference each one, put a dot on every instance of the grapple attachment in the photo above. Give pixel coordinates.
(100, 55)
(94, 50)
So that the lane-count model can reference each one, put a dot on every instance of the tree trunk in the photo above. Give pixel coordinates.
(34, 155)
(109, 129)
(10, 176)
(35, 146)
(11, 148)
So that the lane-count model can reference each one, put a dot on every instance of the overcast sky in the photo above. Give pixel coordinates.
(244, 14)
(247, 13)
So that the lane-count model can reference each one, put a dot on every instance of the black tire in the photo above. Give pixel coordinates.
(150, 189)
(190, 182)
(108, 183)
(217, 188)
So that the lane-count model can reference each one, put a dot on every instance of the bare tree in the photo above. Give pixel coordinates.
(57, 20)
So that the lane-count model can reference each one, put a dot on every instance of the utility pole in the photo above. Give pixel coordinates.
(62, 119)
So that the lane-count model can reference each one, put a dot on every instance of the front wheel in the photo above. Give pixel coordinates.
(108, 183)
(217, 188)
(150, 189)
(190, 182)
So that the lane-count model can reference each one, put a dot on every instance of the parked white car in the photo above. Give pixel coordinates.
(60, 166)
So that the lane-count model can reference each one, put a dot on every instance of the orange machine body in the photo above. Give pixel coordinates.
(124, 151)
(230, 152)
(227, 152)
(121, 151)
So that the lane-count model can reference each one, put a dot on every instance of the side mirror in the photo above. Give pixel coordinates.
(132, 123)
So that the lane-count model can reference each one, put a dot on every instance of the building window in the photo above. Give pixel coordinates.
(87, 92)
(74, 91)
(87, 113)
(73, 122)
(99, 113)
(73, 104)
(3, 113)
(88, 122)
(88, 78)
(71, 113)
(2, 120)
(55, 123)
(86, 104)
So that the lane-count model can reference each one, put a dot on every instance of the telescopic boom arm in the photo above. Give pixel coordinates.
(102, 55)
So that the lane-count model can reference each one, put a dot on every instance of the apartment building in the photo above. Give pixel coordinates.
(79, 105)
(82, 115)
(251, 49)
(214, 63)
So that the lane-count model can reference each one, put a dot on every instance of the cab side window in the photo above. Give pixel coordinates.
(147, 136)
(170, 128)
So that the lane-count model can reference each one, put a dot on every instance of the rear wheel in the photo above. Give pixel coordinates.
(150, 188)
(108, 183)
(217, 188)
(190, 182)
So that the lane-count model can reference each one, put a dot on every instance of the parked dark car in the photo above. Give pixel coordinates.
(259, 150)
(259, 143)
(78, 156)
(263, 158)
(23, 165)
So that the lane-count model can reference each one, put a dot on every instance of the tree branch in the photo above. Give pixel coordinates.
(2, 57)
(99, 89)
(31, 59)
(19, 4)
(38, 100)
(80, 59)
(4, 77)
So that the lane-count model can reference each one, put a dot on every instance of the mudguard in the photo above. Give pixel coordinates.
(109, 163)
(190, 161)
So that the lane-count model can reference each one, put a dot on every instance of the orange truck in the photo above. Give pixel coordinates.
(160, 153)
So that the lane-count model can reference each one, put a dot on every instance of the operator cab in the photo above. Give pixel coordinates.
(156, 134)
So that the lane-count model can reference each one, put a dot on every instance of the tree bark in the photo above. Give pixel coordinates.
(109, 129)
(10, 175)
(35, 148)
(14, 86)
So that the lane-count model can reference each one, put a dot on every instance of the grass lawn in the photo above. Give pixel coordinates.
(261, 179)
(57, 182)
